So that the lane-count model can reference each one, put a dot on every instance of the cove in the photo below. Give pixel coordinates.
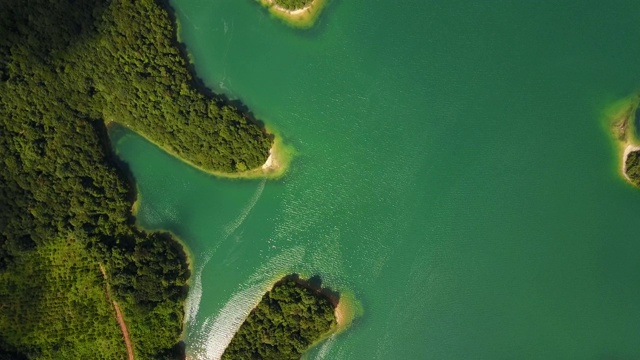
(452, 173)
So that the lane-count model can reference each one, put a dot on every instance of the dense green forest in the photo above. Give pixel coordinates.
(292, 4)
(66, 68)
(288, 319)
(632, 167)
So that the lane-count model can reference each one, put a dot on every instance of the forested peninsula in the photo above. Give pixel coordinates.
(66, 69)
(288, 320)
(624, 119)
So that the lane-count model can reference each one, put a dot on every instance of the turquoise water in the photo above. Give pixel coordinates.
(452, 173)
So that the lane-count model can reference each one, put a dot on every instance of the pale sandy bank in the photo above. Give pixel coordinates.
(272, 163)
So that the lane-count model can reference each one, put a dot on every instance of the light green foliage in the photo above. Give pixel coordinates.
(288, 319)
(293, 4)
(54, 303)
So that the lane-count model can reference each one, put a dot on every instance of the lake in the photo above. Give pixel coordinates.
(451, 173)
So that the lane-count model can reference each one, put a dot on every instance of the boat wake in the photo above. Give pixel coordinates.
(234, 225)
(195, 292)
(210, 341)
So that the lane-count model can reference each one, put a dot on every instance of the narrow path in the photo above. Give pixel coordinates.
(119, 317)
(125, 332)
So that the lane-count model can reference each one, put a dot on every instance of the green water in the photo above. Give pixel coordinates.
(452, 174)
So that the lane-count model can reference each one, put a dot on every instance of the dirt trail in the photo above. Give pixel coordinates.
(119, 317)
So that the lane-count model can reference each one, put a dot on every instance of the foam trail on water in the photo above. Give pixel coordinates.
(195, 293)
(325, 348)
(231, 228)
(215, 336)
(218, 335)
(193, 301)
(192, 304)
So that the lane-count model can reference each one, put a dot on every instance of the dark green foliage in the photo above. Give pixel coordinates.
(66, 67)
(632, 167)
(288, 319)
(292, 4)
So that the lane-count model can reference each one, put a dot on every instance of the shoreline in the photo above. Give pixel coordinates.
(303, 18)
(346, 307)
(345, 313)
(189, 258)
(274, 167)
(620, 120)
(627, 150)
(188, 254)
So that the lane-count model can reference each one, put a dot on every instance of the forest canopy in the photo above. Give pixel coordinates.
(66, 69)
(632, 167)
(286, 322)
(292, 4)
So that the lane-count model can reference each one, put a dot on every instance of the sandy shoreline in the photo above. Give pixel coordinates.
(620, 118)
(343, 316)
(346, 311)
(272, 164)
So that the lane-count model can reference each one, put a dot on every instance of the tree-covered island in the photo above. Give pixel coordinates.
(298, 13)
(67, 68)
(623, 118)
(287, 322)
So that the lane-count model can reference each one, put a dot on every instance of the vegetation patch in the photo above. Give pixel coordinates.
(67, 68)
(286, 322)
(293, 4)
(632, 167)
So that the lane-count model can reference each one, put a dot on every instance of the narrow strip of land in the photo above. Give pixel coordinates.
(125, 332)
(119, 317)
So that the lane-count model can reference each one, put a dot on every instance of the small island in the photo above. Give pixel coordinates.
(298, 13)
(622, 120)
(291, 318)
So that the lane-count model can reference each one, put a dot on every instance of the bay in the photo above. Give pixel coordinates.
(451, 173)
